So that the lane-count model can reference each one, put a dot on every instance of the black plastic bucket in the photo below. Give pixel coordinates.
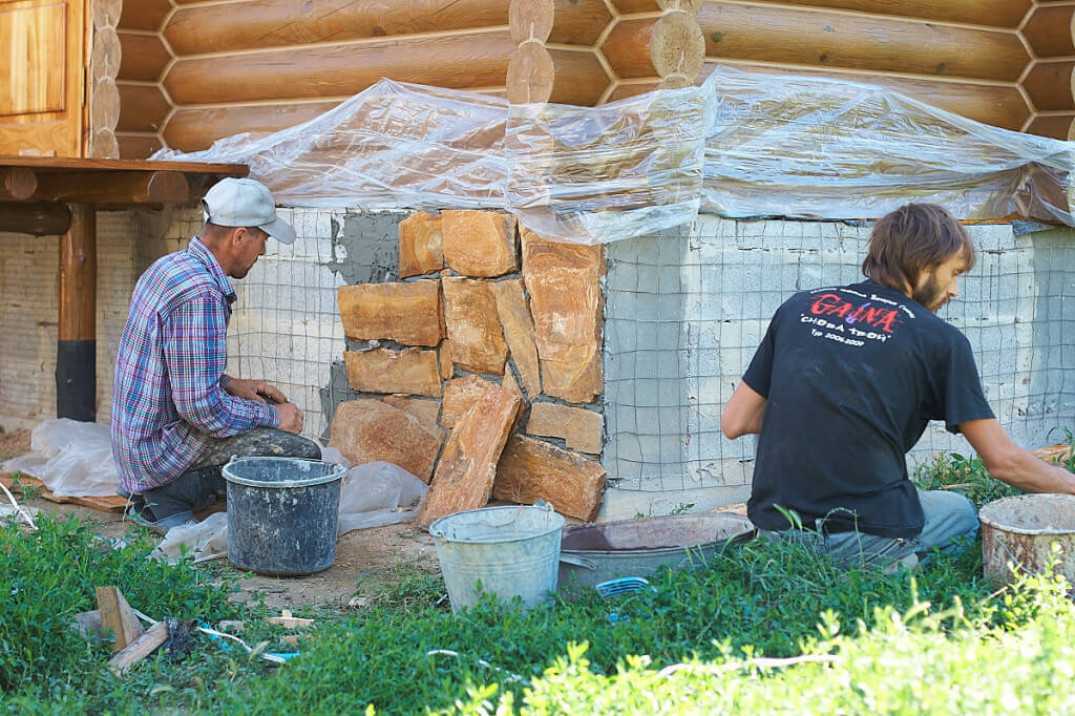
(282, 514)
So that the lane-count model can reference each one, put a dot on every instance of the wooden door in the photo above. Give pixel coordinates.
(41, 77)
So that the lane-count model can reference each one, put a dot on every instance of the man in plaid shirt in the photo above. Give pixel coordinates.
(176, 417)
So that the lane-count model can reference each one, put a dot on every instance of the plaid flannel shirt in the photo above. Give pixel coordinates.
(168, 399)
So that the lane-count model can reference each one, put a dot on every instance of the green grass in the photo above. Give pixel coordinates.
(760, 599)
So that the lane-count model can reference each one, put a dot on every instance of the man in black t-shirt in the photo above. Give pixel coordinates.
(842, 387)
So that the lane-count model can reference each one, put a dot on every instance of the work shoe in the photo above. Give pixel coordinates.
(142, 515)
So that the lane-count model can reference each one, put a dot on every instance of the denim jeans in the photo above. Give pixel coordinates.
(951, 523)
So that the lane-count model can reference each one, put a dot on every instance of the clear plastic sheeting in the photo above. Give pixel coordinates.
(744, 144)
(72, 458)
(807, 147)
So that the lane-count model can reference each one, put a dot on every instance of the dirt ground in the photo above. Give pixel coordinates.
(365, 559)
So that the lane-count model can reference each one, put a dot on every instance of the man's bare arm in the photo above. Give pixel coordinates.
(744, 413)
(1010, 463)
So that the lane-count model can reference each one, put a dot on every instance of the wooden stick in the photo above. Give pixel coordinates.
(139, 649)
(462, 61)
(1051, 85)
(118, 617)
(817, 38)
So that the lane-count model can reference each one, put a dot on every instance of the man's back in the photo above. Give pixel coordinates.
(852, 375)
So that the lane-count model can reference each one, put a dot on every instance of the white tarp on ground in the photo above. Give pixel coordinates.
(72, 458)
(743, 144)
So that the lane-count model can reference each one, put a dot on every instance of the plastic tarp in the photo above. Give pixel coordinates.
(744, 144)
(72, 458)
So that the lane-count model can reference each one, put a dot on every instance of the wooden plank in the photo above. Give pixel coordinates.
(807, 37)
(114, 188)
(259, 24)
(113, 503)
(118, 617)
(33, 40)
(46, 164)
(138, 650)
(460, 62)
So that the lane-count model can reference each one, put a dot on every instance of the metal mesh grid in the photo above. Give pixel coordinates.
(686, 311)
(684, 314)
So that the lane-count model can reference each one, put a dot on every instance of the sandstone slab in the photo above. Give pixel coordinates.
(582, 429)
(405, 312)
(479, 243)
(518, 329)
(411, 371)
(420, 245)
(532, 470)
(473, 325)
(460, 395)
(564, 282)
(370, 430)
(468, 466)
(425, 410)
(447, 366)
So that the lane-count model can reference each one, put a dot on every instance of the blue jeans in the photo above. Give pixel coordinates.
(951, 523)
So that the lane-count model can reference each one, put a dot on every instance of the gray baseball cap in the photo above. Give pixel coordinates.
(245, 202)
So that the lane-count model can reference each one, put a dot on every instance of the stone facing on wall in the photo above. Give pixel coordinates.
(483, 328)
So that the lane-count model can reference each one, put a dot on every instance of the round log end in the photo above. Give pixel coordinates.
(531, 20)
(106, 13)
(689, 6)
(19, 183)
(104, 105)
(167, 187)
(531, 74)
(677, 46)
(106, 55)
(104, 145)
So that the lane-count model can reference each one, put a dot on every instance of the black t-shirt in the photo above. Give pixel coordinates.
(852, 376)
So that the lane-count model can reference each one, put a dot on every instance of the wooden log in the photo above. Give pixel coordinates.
(139, 649)
(34, 218)
(669, 44)
(104, 105)
(17, 183)
(813, 38)
(256, 24)
(995, 13)
(114, 188)
(1051, 85)
(566, 22)
(105, 57)
(144, 14)
(137, 146)
(194, 129)
(627, 7)
(537, 74)
(106, 13)
(142, 108)
(463, 61)
(998, 105)
(144, 57)
(1055, 126)
(1051, 31)
(103, 144)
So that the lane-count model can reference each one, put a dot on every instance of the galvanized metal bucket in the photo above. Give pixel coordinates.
(506, 551)
(1021, 531)
(591, 554)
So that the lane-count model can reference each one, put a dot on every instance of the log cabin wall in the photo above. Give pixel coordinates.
(194, 71)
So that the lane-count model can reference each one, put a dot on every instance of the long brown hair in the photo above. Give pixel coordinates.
(911, 239)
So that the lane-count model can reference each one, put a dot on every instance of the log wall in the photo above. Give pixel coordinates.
(193, 71)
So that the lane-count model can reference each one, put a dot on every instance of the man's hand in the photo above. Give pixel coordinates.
(290, 417)
(258, 390)
(1012, 464)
